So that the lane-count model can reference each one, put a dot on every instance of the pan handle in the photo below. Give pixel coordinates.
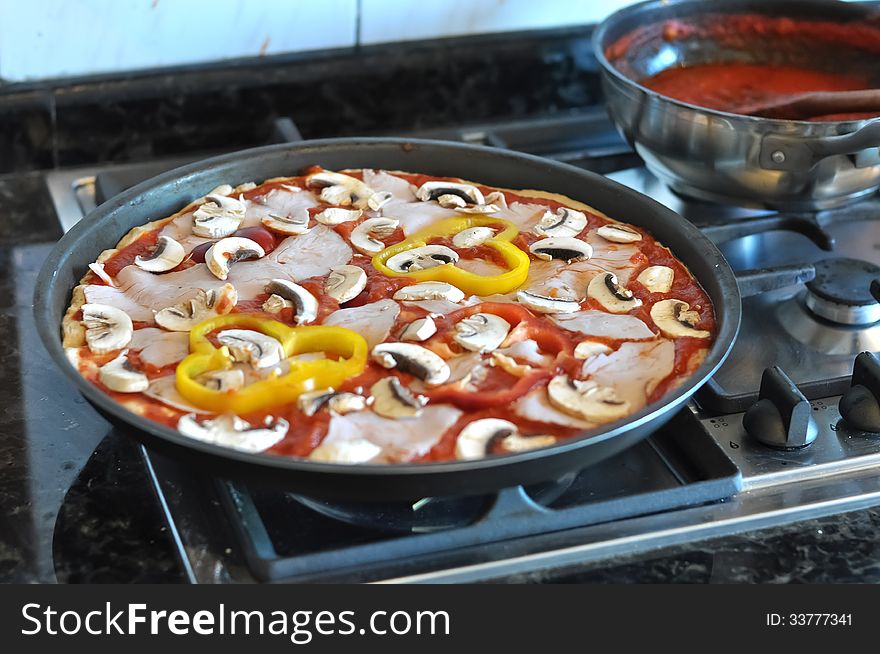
(791, 153)
(762, 280)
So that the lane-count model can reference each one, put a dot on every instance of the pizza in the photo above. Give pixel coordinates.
(371, 316)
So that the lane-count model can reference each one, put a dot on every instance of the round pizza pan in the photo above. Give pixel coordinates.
(166, 193)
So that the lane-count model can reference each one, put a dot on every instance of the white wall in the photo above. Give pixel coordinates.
(57, 38)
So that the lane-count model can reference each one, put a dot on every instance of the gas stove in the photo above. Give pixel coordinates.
(763, 443)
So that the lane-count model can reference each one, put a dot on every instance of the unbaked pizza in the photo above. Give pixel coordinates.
(382, 316)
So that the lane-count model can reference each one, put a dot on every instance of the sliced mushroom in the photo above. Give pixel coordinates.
(564, 223)
(605, 289)
(340, 403)
(305, 305)
(231, 431)
(497, 198)
(657, 279)
(164, 389)
(423, 258)
(363, 237)
(275, 304)
(510, 365)
(674, 319)
(416, 360)
(546, 304)
(345, 283)
(430, 291)
(619, 233)
(253, 347)
(391, 399)
(474, 440)
(586, 399)
(588, 349)
(566, 248)
(311, 402)
(379, 200)
(167, 254)
(481, 332)
(219, 216)
(207, 304)
(468, 193)
(228, 251)
(223, 380)
(120, 376)
(341, 190)
(107, 328)
(337, 216)
(289, 225)
(480, 208)
(98, 269)
(420, 329)
(520, 443)
(471, 238)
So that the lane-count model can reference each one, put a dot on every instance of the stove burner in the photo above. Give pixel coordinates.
(841, 291)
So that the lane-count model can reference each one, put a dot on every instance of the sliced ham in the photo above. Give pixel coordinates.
(522, 214)
(116, 297)
(527, 351)
(394, 440)
(311, 254)
(372, 321)
(158, 347)
(599, 323)
(380, 180)
(415, 216)
(159, 291)
(536, 406)
(441, 307)
(634, 370)
(280, 202)
(481, 267)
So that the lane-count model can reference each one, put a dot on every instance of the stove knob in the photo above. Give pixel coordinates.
(782, 417)
(860, 404)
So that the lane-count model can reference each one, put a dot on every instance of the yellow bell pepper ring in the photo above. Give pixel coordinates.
(517, 261)
(276, 389)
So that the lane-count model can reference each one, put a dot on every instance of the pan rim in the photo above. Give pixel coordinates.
(728, 323)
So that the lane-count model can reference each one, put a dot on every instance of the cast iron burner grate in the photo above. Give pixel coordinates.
(285, 538)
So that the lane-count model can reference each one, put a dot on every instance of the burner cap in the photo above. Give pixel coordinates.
(841, 291)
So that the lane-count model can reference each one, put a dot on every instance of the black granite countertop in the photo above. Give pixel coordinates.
(77, 504)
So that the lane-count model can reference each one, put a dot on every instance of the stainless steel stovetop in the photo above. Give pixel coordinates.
(765, 486)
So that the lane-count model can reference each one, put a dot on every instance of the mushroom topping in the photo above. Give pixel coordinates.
(232, 431)
(416, 360)
(219, 216)
(420, 329)
(228, 251)
(546, 304)
(588, 349)
(337, 216)
(474, 440)
(430, 291)
(657, 279)
(223, 380)
(363, 237)
(305, 305)
(481, 332)
(167, 254)
(605, 289)
(275, 303)
(289, 225)
(207, 304)
(619, 233)
(427, 256)
(345, 282)
(464, 193)
(119, 376)
(379, 200)
(341, 190)
(341, 403)
(586, 399)
(391, 399)
(471, 238)
(674, 319)
(253, 347)
(107, 328)
(565, 222)
(566, 248)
